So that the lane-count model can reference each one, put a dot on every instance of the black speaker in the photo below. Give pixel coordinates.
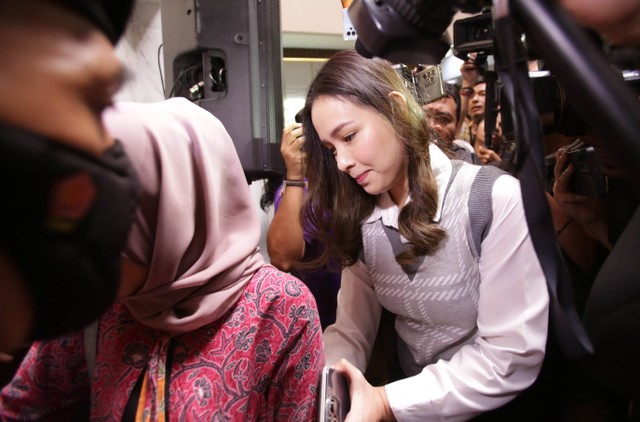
(226, 56)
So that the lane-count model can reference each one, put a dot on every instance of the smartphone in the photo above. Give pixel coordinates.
(587, 179)
(334, 401)
(429, 84)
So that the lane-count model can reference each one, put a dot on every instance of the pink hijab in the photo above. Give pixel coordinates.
(196, 228)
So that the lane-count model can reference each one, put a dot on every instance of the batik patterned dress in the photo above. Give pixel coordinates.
(261, 361)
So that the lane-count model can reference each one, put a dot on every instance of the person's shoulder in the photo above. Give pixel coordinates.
(463, 144)
(175, 124)
(280, 283)
(503, 185)
(506, 189)
(163, 113)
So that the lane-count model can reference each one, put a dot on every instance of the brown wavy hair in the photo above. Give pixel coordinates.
(335, 204)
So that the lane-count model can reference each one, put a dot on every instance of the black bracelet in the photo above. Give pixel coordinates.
(296, 183)
(299, 183)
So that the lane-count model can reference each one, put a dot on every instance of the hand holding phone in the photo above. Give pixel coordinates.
(587, 179)
(334, 396)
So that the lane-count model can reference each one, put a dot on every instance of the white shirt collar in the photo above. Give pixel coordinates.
(388, 211)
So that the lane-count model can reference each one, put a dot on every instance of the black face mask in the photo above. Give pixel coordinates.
(65, 217)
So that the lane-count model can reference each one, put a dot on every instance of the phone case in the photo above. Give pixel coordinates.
(429, 84)
(334, 401)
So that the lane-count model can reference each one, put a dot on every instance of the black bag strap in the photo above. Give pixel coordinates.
(529, 163)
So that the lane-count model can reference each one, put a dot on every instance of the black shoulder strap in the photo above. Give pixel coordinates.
(564, 320)
(567, 326)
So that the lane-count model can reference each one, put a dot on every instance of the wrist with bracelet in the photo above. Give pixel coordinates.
(300, 183)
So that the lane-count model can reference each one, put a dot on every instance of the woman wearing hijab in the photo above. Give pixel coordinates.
(203, 328)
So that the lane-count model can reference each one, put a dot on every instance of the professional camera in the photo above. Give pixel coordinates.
(473, 35)
(413, 32)
(556, 113)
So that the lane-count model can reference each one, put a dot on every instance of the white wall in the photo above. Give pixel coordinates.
(140, 50)
(311, 16)
(304, 24)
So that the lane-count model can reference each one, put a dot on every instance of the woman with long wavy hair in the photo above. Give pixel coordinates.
(440, 244)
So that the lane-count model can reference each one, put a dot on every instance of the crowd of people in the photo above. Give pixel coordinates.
(399, 252)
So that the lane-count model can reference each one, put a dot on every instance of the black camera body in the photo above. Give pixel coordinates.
(587, 179)
(473, 35)
(557, 115)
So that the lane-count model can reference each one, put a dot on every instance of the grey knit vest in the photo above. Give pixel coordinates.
(435, 299)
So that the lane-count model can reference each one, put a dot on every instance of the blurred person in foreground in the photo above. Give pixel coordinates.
(202, 328)
(69, 190)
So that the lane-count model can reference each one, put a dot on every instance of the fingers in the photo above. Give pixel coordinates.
(291, 133)
(487, 155)
(291, 150)
(292, 140)
(5, 358)
(562, 173)
(562, 170)
(345, 367)
(367, 403)
(353, 374)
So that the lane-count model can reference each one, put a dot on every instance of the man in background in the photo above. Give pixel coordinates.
(444, 115)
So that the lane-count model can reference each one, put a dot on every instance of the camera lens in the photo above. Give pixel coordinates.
(480, 33)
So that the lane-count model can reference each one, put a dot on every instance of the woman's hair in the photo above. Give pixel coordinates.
(452, 91)
(336, 205)
(271, 186)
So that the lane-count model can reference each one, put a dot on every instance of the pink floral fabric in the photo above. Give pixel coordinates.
(261, 361)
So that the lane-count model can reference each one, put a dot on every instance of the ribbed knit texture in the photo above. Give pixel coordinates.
(435, 300)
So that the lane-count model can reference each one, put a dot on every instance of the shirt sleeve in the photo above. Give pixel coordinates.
(277, 196)
(512, 328)
(357, 318)
(277, 199)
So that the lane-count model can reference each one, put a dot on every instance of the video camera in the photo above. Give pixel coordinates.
(473, 35)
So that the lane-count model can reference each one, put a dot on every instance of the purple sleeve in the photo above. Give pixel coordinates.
(277, 198)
